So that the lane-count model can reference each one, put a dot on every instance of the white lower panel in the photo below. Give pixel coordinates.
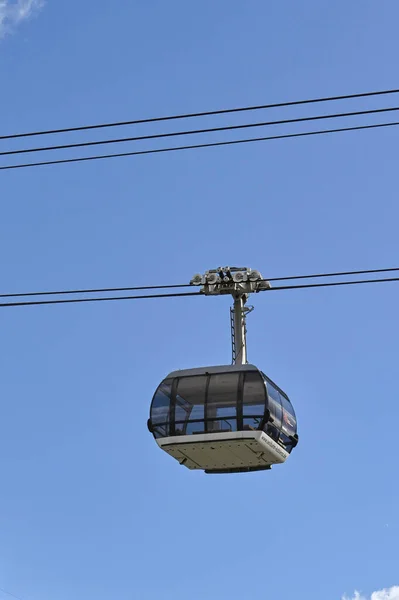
(224, 450)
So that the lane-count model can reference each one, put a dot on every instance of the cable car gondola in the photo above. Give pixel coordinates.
(229, 418)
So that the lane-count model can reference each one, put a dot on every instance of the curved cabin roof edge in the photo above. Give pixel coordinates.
(213, 370)
(223, 369)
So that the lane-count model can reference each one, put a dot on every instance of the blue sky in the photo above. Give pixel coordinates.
(89, 506)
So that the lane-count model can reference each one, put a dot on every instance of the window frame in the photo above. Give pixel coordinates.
(239, 417)
(293, 438)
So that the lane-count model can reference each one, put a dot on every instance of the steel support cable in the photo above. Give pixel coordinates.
(184, 285)
(10, 594)
(196, 146)
(200, 114)
(339, 274)
(330, 284)
(106, 299)
(96, 291)
(156, 136)
(148, 296)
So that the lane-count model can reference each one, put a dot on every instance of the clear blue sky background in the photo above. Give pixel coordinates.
(89, 506)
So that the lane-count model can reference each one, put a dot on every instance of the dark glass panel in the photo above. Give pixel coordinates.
(190, 402)
(274, 404)
(161, 431)
(182, 409)
(222, 402)
(192, 427)
(191, 397)
(160, 407)
(289, 420)
(254, 395)
(287, 442)
(272, 431)
(250, 423)
(221, 425)
(223, 392)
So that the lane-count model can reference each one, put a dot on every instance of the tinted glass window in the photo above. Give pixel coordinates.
(222, 402)
(222, 394)
(287, 442)
(289, 419)
(287, 406)
(182, 413)
(194, 427)
(190, 399)
(272, 431)
(161, 431)
(182, 409)
(250, 423)
(274, 404)
(222, 425)
(190, 402)
(160, 409)
(254, 398)
(161, 403)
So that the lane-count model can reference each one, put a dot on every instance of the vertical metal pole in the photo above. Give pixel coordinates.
(240, 342)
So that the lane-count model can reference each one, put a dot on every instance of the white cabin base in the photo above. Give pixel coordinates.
(218, 451)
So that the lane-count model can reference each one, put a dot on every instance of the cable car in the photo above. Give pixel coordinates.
(229, 418)
(226, 419)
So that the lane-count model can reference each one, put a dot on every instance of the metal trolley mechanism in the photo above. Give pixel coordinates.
(228, 418)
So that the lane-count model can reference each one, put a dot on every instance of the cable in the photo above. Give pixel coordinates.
(107, 299)
(75, 300)
(198, 114)
(185, 285)
(197, 131)
(314, 285)
(341, 274)
(10, 594)
(96, 291)
(195, 146)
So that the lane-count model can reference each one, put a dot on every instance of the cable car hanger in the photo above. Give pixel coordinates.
(239, 282)
(228, 418)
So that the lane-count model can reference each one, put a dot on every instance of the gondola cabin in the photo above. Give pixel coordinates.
(225, 419)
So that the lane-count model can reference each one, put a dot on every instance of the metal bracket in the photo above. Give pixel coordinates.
(230, 280)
